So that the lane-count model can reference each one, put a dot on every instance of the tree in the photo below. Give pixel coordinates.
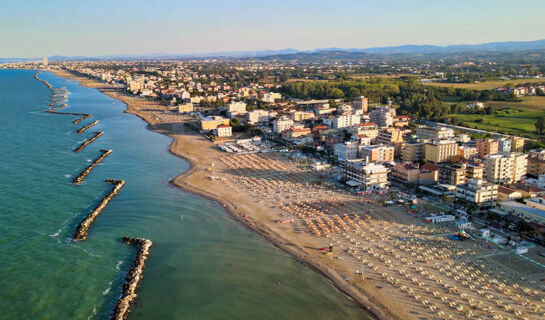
(540, 124)
(235, 122)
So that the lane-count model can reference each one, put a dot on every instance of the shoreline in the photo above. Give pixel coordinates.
(373, 308)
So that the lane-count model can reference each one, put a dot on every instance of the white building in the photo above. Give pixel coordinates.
(367, 175)
(271, 97)
(345, 121)
(282, 124)
(477, 191)
(383, 116)
(505, 167)
(257, 116)
(236, 107)
(224, 130)
(346, 151)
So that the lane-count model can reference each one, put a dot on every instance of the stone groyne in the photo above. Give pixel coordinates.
(90, 140)
(83, 117)
(133, 277)
(82, 130)
(80, 177)
(56, 108)
(54, 103)
(82, 229)
(42, 81)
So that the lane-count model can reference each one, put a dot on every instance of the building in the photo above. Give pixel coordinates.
(301, 115)
(505, 167)
(410, 172)
(185, 108)
(389, 136)
(346, 151)
(508, 194)
(236, 107)
(474, 171)
(477, 191)
(361, 103)
(536, 162)
(504, 144)
(369, 129)
(212, 122)
(377, 153)
(258, 116)
(517, 144)
(282, 124)
(538, 203)
(383, 116)
(435, 133)
(367, 175)
(524, 211)
(344, 109)
(467, 151)
(223, 130)
(270, 97)
(487, 146)
(440, 151)
(345, 121)
(453, 174)
(45, 61)
(412, 151)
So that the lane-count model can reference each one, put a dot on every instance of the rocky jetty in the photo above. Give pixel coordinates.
(56, 108)
(54, 103)
(90, 140)
(83, 117)
(83, 227)
(80, 177)
(133, 277)
(42, 81)
(82, 130)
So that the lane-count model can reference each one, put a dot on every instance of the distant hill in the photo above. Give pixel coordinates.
(333, 53)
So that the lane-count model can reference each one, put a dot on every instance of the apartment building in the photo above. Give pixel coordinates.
(412, 152)
(440, 151)
(536, 162)
(369, 129)
(505, 167)
(367, 175)
(212, 122)
(282, 124)
(346, 151)
(477, 191)
(435, 133)
(383, 116)
(474, 171)
(487, 146)
(236, 107)
(258, 116)
(301, 115)
(467, 152)
(413, 173)
(377, 153)
(389, 136)
(223, 130)
(345, 121)
(361, 103)
(453, 174)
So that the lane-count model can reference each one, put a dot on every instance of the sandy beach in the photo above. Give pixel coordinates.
(389, 262)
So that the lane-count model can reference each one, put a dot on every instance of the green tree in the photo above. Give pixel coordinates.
(540, 124)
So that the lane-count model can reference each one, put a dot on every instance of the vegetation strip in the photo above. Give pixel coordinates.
(133, 277)
(79, 179)
(86, 143)
(82, 130)
(82, 229)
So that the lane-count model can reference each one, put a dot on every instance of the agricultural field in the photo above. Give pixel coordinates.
(505, 120)
(485, 84)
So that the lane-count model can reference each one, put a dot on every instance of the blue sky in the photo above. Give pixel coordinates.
(32, 28)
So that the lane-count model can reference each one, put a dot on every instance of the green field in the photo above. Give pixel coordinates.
(506, 120)
(485, 84)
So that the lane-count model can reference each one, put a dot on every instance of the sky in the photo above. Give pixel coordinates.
(36, 28)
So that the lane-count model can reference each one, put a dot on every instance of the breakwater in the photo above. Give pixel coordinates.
(82, 229)
(84, 116)
(56, 108)
(82, 175)
(90, 140)
(82, 130)
(133, 277)
(42, 81)
(54, 103)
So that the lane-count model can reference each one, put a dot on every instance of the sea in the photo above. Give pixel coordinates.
(203, 264)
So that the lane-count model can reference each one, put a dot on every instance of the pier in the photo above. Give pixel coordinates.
(133, 277)
(90, 140)
(82, 229)
(80, 177)
(82, 130)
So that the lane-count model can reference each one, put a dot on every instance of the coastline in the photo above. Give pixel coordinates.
(181, 136)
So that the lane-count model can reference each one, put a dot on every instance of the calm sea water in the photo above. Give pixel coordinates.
(203, 265)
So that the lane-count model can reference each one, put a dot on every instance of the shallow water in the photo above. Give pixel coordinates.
(203, 265)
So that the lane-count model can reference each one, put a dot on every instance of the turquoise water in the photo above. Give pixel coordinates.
(203, 265)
